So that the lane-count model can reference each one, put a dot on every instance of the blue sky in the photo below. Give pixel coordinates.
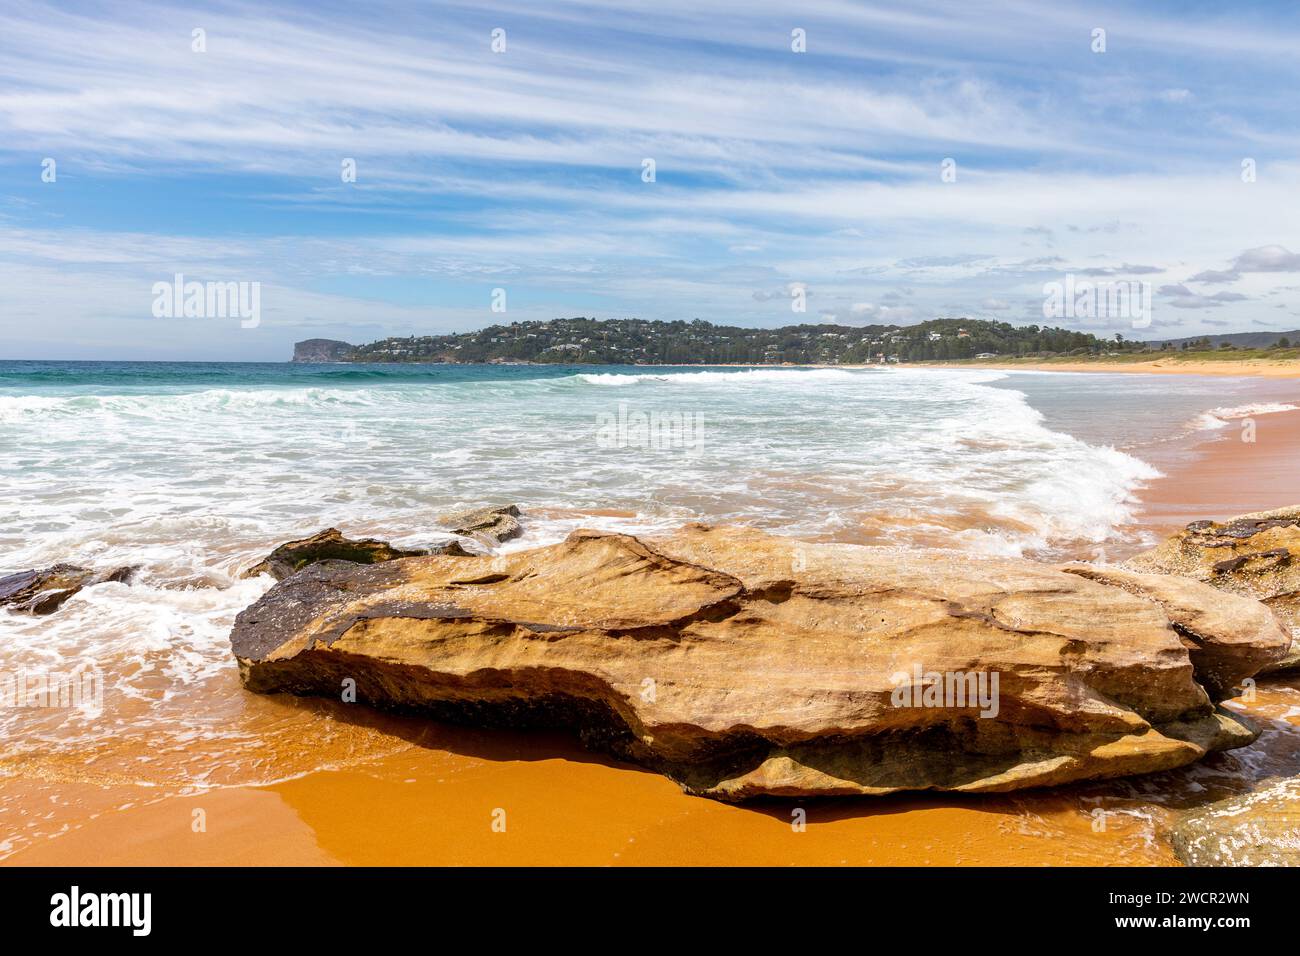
(522, 169)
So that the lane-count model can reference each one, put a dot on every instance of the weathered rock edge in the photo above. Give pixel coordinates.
(1256, 555)
(742, 664)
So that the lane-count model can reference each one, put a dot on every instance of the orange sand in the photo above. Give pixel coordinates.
(433, 806)
(410, 792)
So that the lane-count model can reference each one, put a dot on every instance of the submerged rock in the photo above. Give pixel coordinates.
(327, 545)
(1254, 829)
(1255, 555)
(742, 664)
(489, 526)
(43, 591)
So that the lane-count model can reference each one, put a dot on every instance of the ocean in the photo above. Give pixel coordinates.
(194, 471)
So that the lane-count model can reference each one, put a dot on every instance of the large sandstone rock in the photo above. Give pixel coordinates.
(743, 664)
(44, 590)
(1254, 829)
(1256, 555)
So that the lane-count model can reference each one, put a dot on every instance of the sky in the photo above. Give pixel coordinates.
(868, 163)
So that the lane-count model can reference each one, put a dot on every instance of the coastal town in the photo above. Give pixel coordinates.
(589, 341)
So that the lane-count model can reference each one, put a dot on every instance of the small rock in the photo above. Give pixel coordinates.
(488, 525)
(43, 590)
(327, 545)
(453, 548)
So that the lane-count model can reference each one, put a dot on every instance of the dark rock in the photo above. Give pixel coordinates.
(327, 545)
(1254, 561)
(1208, 534)
(43, 591)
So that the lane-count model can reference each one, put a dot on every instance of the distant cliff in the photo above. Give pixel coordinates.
(322, 350)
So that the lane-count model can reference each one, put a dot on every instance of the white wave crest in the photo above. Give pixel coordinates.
(789, 376)
(1217, 418)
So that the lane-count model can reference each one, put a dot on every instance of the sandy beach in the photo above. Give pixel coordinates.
(406, 791)
(1252, 368)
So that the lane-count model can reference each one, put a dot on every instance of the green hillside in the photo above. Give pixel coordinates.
(638, 342)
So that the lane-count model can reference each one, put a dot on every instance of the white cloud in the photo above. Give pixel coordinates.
(1267, 259)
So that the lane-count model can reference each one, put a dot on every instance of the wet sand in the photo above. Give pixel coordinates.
(1251, 465)
(435, 803)
(405, 791)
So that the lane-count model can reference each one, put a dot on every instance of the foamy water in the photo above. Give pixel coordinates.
(1218, 418)
(194, 472)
